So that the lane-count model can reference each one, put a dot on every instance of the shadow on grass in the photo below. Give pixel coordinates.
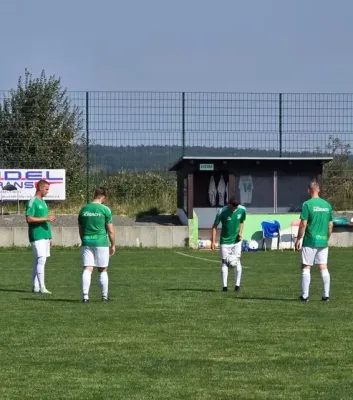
(15, 290)
(236, 297)
(190, 290)
(264, 298)
(49, 299)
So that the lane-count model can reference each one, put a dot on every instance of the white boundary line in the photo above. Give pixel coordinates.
(197, 258)
(200, 258)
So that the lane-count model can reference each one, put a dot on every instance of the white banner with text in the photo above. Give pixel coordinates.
(21, 183)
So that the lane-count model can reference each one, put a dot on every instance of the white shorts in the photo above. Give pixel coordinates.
(228, 249)
(314, 256)
(92, 256)
(41, 248)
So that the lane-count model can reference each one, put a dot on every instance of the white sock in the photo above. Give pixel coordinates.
(237, 273)
(40, 271)
(224, 272)
(34, 276)
(325, 275)
(306, 277)
(86, 282)
(103, 282)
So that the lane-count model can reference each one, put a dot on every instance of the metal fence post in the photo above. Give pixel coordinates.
(87, 148)
(280, 125)
(183, 122)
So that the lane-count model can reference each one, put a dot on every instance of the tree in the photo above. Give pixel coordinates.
(40, 128)
(338, 174)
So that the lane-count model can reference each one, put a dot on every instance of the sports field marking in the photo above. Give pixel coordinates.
(199, 258)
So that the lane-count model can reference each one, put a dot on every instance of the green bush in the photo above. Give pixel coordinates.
(133, 193)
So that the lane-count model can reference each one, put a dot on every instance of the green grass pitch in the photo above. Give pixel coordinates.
(170, 333)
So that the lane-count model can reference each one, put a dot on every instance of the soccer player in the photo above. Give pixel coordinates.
(315, 229)
(98, 242)
(232, 217)
(40, 235)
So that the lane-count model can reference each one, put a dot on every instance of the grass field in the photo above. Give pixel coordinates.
(170, 333)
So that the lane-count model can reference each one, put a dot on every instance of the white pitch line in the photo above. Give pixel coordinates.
(200, 258)
(197, 258)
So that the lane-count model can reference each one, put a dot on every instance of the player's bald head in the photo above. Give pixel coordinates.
(314, 187)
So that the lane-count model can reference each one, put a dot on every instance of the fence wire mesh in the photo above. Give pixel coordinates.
(122, 134)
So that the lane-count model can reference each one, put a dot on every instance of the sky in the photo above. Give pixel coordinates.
(194, 45)
(260, 46)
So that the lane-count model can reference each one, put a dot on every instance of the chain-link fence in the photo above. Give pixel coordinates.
(125, 133)
(150, 130)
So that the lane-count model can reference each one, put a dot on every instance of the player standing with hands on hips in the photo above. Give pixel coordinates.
(98, 242)
(40, 235)
(315, 229)
(232, 217)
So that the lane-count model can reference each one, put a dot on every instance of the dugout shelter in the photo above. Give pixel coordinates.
(269, 187)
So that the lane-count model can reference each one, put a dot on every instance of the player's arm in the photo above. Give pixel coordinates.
(50, 234)
(302, 229)
(80, 227)
(213, 237)
(111, 235)
(36, 220)
(32, 219)
(214, 230)
(80, 231)
(241, 226)
(110, 230)
(330, 225)
(304, 216)
(330, 228)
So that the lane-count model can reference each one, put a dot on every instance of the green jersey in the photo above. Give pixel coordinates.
(231, 221)
(93, 218)
(36, 207)
(318, 213)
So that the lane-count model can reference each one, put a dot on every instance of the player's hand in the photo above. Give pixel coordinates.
(51, 243)
(51, 218)
(298, 244)
(239, 238)
(111, 250)
(213, 245)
